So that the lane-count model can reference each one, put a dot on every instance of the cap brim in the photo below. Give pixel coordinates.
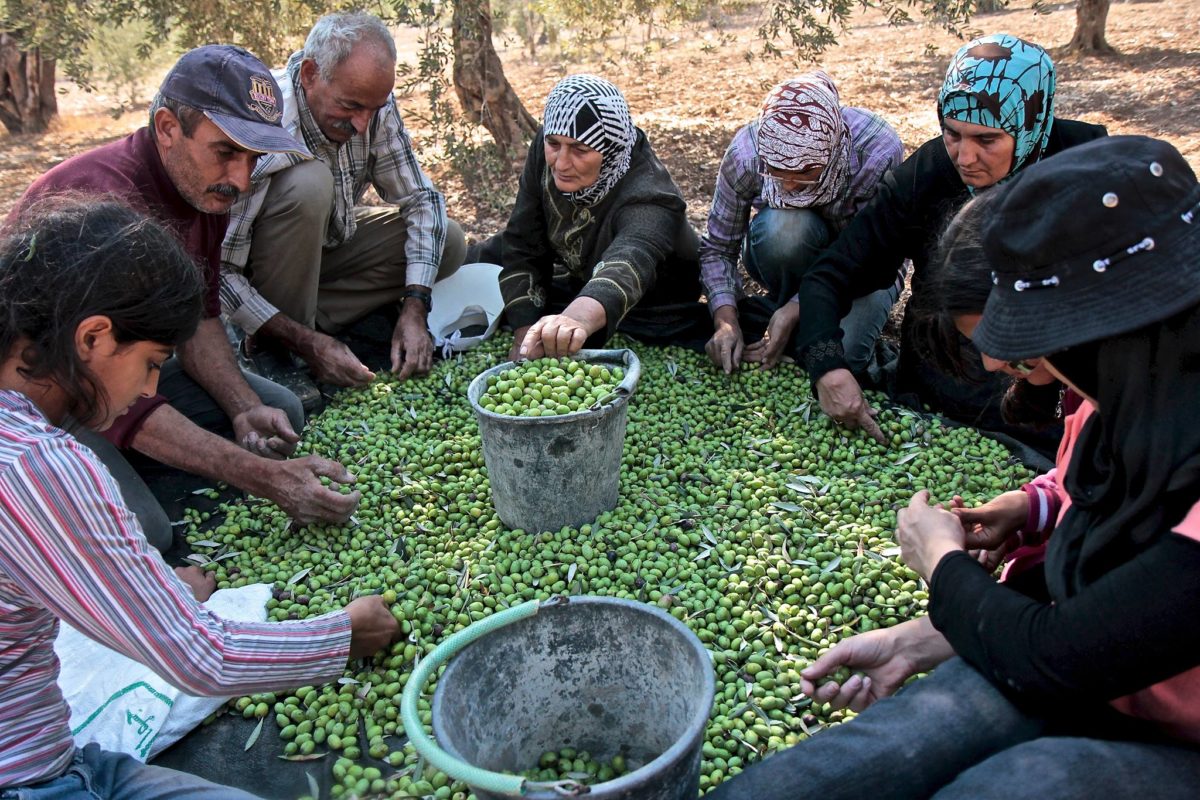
(1135, 292)
(260, 137)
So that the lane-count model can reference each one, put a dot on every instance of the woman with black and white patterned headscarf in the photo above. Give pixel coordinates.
(598, 237)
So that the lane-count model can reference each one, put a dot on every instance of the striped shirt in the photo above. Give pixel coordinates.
(382, 157)
(71, 550)
(875, 148)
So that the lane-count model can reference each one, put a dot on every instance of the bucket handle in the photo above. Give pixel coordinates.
(488, 781)
(629, 362)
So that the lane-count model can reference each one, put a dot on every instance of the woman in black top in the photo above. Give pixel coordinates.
(598, 238)
(1093, 688)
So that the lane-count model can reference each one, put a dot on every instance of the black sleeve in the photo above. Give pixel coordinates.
(528, 256)
(643, 236)
(1130, 629)
(864, 256)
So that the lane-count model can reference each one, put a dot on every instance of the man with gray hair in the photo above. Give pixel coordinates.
(301, 259)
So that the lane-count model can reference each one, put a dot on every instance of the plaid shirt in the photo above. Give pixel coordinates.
(382, 156)
(875, 149)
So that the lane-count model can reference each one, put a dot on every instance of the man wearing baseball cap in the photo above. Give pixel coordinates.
(216, 112)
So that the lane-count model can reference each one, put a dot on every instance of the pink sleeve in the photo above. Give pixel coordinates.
(1190, 527)
(1044, 504)
(67, 539)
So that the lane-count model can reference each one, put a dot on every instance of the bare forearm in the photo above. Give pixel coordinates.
(924, 644)
(725, 315)
(291, 334)
(588, 313)
(176, 441)
(208, 359)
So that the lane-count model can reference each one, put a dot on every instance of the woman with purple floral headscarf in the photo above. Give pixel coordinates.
(790, 181)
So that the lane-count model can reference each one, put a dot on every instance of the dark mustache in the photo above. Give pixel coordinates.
(225, 190)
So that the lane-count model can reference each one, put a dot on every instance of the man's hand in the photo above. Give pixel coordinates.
(265, 431)
(725, 347)
(842, 399)
(295, 486)
(333, 362)
(555, 335)
(769, 349)
(412, 346)
(887, 657)
(202, 583)
(926, 533)
(372, 626)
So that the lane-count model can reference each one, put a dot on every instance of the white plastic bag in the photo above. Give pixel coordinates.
(469, 297)
(121, 704)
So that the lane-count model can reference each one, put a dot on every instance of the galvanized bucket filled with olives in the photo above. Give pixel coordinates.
(552, 432)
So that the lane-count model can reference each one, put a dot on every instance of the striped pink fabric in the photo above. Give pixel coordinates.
(70, 550)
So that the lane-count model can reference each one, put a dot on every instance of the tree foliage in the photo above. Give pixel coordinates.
(42, 35)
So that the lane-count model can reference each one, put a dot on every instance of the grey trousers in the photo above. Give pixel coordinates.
(323, 287)
(953, 736)
(189, 399)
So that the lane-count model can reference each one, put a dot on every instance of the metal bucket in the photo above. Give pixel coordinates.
(601, 674)
(551, 472)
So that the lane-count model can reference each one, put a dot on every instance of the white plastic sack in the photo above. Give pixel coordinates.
(121, 704)
(469, 297)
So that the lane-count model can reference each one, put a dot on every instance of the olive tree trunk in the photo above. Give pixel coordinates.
(27, 100)
(1091, 16)
(485, 94)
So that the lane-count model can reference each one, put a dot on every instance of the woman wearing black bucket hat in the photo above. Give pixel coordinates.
(1096, 691)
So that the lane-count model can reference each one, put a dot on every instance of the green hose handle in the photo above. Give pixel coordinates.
(497, 782)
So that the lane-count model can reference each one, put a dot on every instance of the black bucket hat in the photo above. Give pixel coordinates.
(1099, 240)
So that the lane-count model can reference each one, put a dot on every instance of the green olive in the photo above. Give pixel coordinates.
(744, 512)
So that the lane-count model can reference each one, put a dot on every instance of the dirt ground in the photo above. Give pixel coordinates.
(692, 88)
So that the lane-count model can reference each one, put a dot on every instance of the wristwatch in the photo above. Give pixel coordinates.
(421, 294)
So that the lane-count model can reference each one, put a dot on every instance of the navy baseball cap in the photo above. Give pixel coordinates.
(237, 93)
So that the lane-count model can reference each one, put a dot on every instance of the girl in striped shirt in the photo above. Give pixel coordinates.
(93, 299)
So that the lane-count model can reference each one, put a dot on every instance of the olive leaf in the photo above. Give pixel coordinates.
(299, 576)
(254, 736)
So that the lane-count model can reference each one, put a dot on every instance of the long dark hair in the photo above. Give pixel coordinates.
(957, 282)
(69, 258)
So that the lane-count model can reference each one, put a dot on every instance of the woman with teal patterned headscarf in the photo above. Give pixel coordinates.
(1005, 83)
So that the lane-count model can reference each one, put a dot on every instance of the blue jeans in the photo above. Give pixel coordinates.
(97, 774)
(782, 245)
(954, 736)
